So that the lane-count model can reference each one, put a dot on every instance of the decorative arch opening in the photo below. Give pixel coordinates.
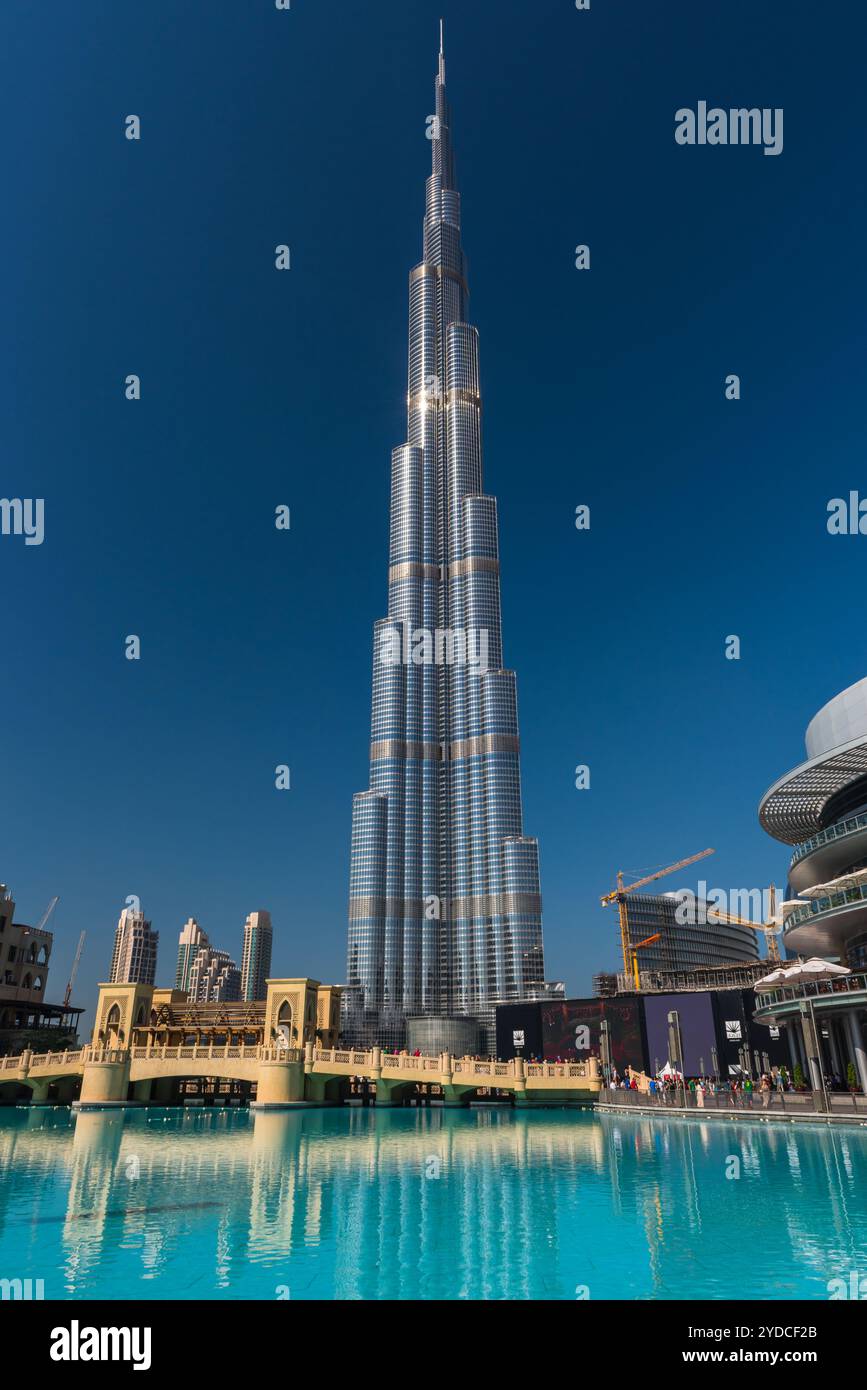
(285, 1032)
(114, 1033)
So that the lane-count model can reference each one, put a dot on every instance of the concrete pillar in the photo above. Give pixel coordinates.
(104, 1083)
(314, 1089)
(279, 1084)
(141, 1090)
(836, 1064)
(383, 1093)
(811, 1052)
(38, 1092)
(856, 1041)
(792, 1039)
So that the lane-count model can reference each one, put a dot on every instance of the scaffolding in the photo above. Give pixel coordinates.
(738, 975)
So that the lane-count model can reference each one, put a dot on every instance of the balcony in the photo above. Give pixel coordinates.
(822, 927)
(844, 991)
(821, 856)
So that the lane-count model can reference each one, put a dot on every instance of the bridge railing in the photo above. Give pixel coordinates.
(54, 1059)
(279, 1054)
(102, 1054)
(342, 1056)
(487, 1068)
(574, 1069)
(204, 1052)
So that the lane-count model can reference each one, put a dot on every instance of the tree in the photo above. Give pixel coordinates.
(852, 1077)
(798, 1078)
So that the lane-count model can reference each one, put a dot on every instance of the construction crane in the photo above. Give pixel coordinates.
(648, 940)
(619, 895)
(74, 971)
(771, 928)
(47, 913)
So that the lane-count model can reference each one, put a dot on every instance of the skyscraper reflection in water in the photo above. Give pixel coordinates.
(426, 1204)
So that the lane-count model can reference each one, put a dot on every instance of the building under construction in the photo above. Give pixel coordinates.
(734, 975)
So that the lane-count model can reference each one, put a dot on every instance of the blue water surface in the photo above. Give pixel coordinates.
(427, 1204)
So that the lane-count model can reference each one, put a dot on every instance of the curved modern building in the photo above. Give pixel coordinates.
(444, 899)
(689, 936)
(820, 808)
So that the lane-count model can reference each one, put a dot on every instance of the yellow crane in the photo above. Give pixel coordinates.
(657, 936)
(770, 929)
(619, 895)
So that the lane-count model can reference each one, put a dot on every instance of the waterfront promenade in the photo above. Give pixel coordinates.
(798, 1107)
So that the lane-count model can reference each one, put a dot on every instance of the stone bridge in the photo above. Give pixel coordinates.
(295, 1076)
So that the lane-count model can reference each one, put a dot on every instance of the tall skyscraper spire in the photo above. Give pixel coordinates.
(445, 906)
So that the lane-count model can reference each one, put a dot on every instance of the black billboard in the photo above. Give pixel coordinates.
(737, 1030)
(764, 1040)
(519, 1031)
(731, 1030)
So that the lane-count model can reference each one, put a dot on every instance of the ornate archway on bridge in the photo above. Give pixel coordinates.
(284, 1028)
(114, 1034)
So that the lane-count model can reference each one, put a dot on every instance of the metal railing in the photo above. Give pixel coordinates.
(812, 989)
(818, 906)
(737, 1102)
(826, 837)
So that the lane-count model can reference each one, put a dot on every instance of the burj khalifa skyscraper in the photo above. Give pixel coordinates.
(444, 899)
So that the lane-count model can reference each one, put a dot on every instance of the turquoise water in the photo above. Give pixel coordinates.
(344, 1203)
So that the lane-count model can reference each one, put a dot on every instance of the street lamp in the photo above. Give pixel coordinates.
(605, 1050)
(675, 1048)
(808, 1014)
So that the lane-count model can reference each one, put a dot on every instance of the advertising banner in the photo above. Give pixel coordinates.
(571, 1030)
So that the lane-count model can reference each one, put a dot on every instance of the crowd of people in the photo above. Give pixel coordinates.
(672, 1088)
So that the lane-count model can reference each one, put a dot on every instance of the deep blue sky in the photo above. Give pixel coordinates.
(260, 388)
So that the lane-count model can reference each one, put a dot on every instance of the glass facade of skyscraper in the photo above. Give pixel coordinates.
(445, 905)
